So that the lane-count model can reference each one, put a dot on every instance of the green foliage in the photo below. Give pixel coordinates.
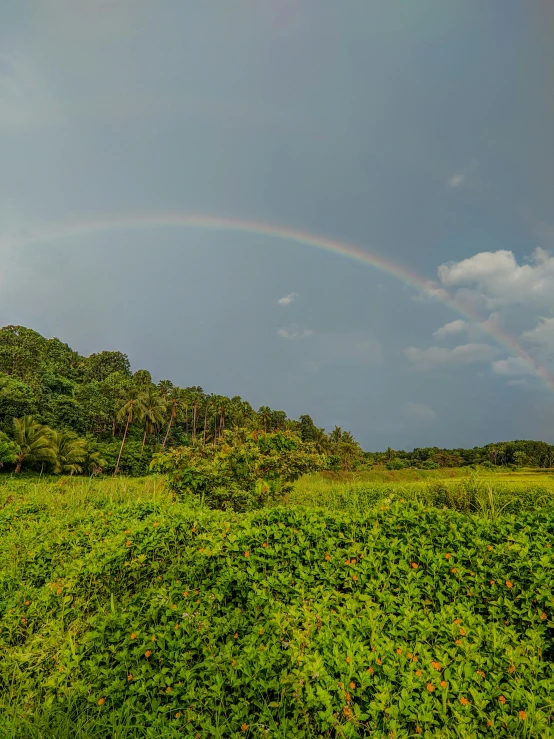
(130, 614)
(243, 471)
(16, 399)
(34, 442)
(397, 464)
(69, 452)
(8, 450)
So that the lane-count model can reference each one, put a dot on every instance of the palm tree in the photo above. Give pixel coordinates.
(69, 452)
(153, 413)
(265, 415)
(93, 462)
(34, 441)
(133, 407)
(175, 401)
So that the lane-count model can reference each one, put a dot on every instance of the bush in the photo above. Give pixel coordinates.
(243, 471)
(397, 464)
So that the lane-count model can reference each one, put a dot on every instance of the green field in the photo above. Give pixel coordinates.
(394, 604)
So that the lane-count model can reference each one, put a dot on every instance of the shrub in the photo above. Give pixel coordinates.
(243, 471)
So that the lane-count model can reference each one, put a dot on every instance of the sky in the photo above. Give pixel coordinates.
(418, 133)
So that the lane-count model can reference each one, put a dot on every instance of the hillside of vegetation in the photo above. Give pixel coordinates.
(65, 413)
(128, 612)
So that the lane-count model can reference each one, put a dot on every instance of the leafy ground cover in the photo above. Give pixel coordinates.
(125, 613)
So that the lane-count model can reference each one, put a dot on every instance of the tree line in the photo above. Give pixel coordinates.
(67, 413)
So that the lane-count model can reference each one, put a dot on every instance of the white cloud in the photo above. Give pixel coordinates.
(457, 180)
(287, 299)
(542, 335)
(454, 327)
(438, 356)
(293, 332)
(499, 280)
(512, 366)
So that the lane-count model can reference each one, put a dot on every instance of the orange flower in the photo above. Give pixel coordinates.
(436, 665)
(127, 531)
(542, 616)
(489, 723)
(509, 584)
(129, 677)
(354, 577)
(178, 714)
(410, 655)
(133, 635)
(492, 582)
(28, 603)
(522, 715)
(379, 661)
(489, 548)
(430, 687)
(399, 651)
(370, 670)
(186, 593)
(443, 684)
(501, 699)
(418, 730)
(415, 565)
(247, 554)
(464, 701)
(511, 668)
(264, 544)
(418, 673)
(148, 654)
(480, 673)
(327, 557)
(458, 642)
(457, 621)
(448, 555)
(352, 686)
(101, 701)
(235, 635)
(128, 543)
(233, 663)
(462, 632)
(349, 660)
(168, 689)
(153, 637)
(244, 727)
(176, 626)
(453, 570)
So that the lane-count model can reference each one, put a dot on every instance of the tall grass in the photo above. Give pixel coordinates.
(479, 494)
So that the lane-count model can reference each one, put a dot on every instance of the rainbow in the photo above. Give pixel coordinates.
(304, 238)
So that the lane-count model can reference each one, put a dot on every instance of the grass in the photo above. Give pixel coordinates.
(431, 595)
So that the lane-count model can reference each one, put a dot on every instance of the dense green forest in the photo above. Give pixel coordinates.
(65, 413)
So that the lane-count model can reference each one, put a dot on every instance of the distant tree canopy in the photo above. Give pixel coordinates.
(120, 418)
(510, 453)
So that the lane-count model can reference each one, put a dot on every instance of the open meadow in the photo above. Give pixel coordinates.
(394, 604)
